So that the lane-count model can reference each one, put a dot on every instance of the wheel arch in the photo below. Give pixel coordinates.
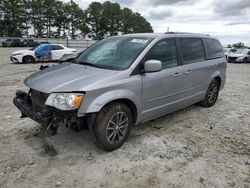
(95, 104)
(218, 78)
(129, 103)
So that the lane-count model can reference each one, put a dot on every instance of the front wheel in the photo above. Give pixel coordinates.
(29, 59)
(245, 60)
(212, 94)
(112, 126)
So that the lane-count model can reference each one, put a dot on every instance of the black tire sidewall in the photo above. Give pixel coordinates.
(206, 102)
(101, 123)
(25, 59)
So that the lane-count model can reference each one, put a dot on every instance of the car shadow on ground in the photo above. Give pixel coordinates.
(68, 142)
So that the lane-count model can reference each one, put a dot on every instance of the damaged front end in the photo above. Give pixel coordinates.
(32, 105)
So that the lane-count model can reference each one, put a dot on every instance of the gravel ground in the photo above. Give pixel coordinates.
(194, 147)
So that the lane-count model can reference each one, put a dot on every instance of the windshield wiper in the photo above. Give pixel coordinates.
(91, 64)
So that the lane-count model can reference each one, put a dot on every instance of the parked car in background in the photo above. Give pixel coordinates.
(68, 57)
(240, 56)
(12, 43)
(229, 51)
(44, 42)
(30, 43)
(43, 52)
(125, 80)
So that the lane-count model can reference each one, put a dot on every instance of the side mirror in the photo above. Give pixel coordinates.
(152, 66)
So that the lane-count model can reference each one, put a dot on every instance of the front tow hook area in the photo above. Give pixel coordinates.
(48, 121)
(52, 127)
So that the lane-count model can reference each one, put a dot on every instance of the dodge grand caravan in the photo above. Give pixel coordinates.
(125, 80)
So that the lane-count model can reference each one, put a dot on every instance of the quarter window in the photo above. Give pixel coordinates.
(192, 50)
(57, 47)
(164, 51)
(214, 49)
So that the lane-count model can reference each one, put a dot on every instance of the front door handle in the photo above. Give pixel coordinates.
(188, 71)
(177, 74)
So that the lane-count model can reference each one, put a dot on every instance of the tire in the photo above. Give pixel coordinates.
(28, 59)
(112, 126)
(245, 60)
(212, 94)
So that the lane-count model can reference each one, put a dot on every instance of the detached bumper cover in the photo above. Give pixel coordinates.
(23, 103)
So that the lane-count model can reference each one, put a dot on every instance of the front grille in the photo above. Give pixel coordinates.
(38, 100)
(232, 58)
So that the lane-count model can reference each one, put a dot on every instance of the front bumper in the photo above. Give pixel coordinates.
(234, 59)
(16, 59)
(23, 102)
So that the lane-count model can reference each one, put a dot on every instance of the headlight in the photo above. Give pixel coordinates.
(65, 101)
(240, 57)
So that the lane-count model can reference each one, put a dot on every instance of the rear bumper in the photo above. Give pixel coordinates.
(23, 103)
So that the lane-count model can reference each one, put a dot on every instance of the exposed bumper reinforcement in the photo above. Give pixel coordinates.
(23, 103)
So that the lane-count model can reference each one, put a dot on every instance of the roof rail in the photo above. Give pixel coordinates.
(171, 32)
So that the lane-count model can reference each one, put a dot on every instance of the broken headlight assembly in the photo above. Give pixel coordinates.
(65, 101)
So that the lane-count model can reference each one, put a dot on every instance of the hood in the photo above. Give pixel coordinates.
(235, 55)
(67, 77)
(22, 51)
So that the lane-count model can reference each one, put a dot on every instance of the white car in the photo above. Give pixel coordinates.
(240, 56)
(43, 52)
(229, 51)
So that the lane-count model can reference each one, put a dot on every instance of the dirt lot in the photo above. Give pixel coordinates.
(194, 147)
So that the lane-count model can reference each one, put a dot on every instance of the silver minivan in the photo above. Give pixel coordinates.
(125, 80)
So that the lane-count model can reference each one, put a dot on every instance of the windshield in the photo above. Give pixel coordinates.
(114, 52)
(32, 49)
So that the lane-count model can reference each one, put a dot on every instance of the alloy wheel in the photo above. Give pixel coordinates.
(213, 93)
(117, 127)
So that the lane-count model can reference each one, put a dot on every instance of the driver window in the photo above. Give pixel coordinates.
(164, 51)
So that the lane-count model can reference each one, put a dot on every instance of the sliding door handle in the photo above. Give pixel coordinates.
(176, 74)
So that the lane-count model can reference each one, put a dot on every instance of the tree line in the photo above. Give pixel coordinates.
(236, 45)
(56, 19)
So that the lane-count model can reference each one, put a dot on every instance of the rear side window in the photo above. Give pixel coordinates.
(192, 50)
(56, 47)
(164, 51)
(214, 49)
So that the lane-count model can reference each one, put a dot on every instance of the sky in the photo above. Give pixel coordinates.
(228, 20)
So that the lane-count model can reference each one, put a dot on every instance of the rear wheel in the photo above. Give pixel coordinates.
(112, 126)
(212, 94)
(29, 59)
